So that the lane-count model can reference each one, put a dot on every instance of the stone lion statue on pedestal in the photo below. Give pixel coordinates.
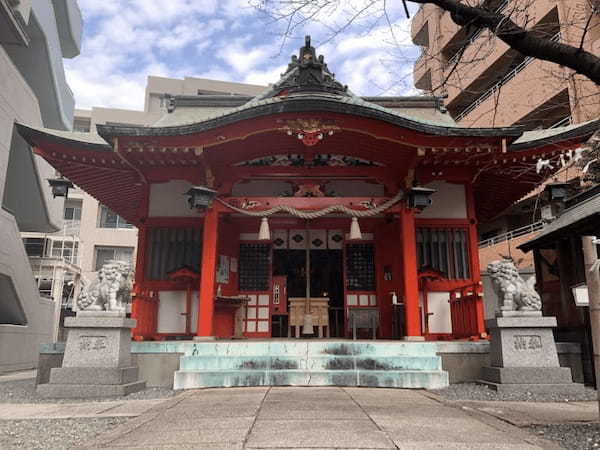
(513, 292)
(111, 291)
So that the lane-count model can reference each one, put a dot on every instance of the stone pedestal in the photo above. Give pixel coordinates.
(97, 361)
(523, 355)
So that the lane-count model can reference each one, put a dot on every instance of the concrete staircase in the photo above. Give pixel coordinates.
(311, 363)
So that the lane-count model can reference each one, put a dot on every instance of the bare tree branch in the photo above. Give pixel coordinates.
(518, 38)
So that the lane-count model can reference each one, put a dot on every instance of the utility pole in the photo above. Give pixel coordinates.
(592, 278)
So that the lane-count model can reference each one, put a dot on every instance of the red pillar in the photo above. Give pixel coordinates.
(474, 259)
(208, 268)
(409, 272)
(138, 305)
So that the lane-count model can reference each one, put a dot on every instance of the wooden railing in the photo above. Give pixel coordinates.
(466, 311)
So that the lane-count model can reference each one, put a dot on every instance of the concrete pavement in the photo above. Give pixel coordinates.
(524, 414)
(330, 417)
(120, 408)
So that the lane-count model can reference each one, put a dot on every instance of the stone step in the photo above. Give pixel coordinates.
(290, 348)
(411, 379)
(328, 362)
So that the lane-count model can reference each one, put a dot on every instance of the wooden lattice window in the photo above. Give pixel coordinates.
(254, 267)
(360, 267)
(445, 250)
(170, 249)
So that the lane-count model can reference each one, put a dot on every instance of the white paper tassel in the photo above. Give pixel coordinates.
(264, 234)
(355, 233)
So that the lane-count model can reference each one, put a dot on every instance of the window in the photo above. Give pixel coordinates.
(72, 213)
(67, 250)
(360, 267)
(254, 267)
(445, 250)
(105, 254)
(34, 246)
(109, 219)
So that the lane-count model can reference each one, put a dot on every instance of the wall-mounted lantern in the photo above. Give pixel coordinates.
(557, 191)
(419, 197)
(60, 186)
(554, 197)
(200, 197)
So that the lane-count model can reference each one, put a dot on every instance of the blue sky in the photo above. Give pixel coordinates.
(124, 41)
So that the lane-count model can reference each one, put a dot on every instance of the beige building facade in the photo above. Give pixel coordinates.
(485, 83)
(488, 84)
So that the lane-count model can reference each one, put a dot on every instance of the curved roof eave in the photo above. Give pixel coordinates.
(538, 138)
(306, 103)
(86, 141)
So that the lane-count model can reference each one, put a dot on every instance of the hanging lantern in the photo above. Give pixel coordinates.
(419, 197)
(355, 233)
(60, 186)
(264, 234)
(200, 197)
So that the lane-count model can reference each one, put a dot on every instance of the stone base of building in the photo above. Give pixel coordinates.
(97, 359)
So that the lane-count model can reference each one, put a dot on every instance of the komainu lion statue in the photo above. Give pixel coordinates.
(111, 291)
(514, 292)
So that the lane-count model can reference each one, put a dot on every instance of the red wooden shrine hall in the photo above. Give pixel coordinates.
(314, 208)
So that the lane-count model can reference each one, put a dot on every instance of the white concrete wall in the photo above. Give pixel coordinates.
(19, 343)
(168, 200)
(448, 202)
(18, 102)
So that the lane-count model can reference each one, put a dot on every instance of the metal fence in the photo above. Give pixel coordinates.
(536, 226)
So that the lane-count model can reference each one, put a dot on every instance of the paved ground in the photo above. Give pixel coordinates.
(284, 417)
(125, 408)
(531, 413)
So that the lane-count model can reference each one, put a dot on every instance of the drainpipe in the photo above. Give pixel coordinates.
(592, 278)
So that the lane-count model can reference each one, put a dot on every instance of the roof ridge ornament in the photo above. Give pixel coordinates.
(308, 72)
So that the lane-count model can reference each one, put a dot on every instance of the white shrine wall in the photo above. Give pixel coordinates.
(171, 308)
(448, 202)
(168, 200)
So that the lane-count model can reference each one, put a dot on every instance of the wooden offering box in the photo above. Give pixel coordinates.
(319, 307)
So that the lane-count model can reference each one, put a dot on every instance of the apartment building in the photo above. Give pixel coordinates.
(35, 36)
(485, 83)
(92, 233)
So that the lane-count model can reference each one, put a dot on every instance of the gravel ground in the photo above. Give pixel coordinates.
(472, 391)
(23, 391)
(572, 436)
(53, 433)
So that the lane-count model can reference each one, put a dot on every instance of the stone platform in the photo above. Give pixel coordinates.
(97, 359)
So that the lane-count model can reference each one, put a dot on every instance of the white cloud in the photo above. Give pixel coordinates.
(127, 40)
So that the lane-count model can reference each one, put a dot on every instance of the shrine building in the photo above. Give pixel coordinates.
(306, 210)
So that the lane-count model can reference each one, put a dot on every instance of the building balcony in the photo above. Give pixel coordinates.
(422, 73)
(518, 95)
(506, 244)
(464, 72)
(418, 22)
(70, 26)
